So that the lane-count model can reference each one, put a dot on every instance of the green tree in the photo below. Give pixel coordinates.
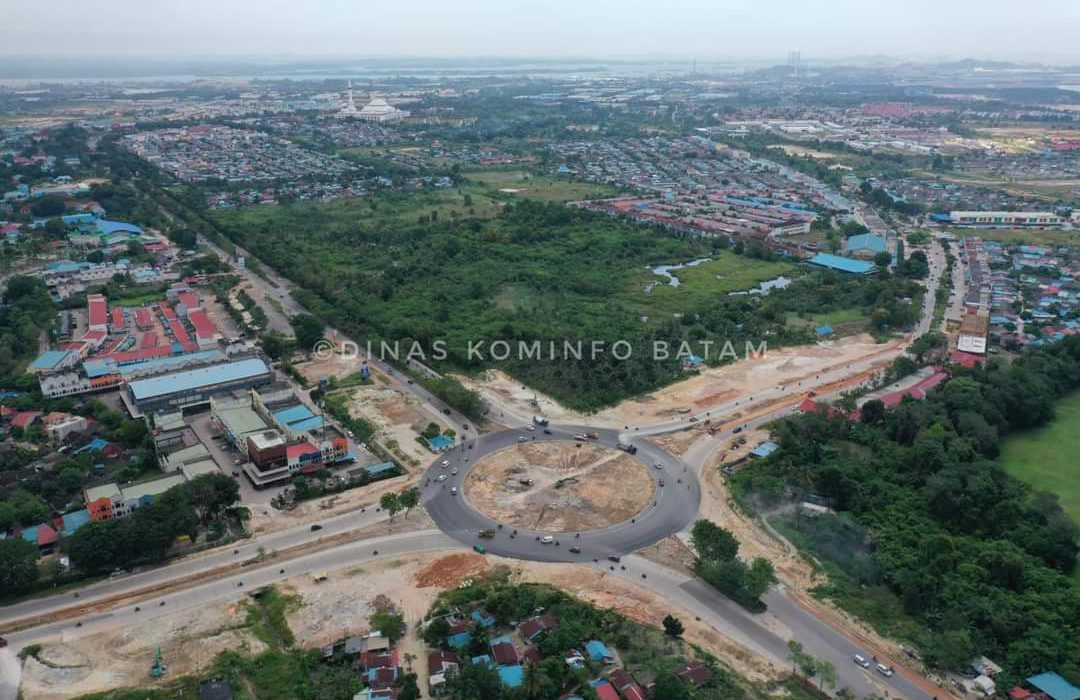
(713, 542)
(390, 623)
(49, 205)
(18, 566)
(391, 503)
(211, 495)
(670, 687)
(759, 576)
(308, 329)
(673, 627)
(882, 259)
(408, 499)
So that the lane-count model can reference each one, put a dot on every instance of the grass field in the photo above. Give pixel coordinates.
(539, 188)
(1017, 236)
(1048, 458)
(725, 272)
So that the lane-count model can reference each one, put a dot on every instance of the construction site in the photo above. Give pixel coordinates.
(559, 486)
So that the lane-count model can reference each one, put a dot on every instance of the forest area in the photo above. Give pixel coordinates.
(935, 542)
(539, 272)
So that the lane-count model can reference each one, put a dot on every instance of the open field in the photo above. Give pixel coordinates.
(1018, 236)
(574, 486)
(520, 184)
(725, 272)
(1048, 458)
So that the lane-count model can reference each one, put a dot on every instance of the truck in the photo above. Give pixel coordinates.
(541, 421)
(486, 534)
(593, 436)
(628, 449)
(581, 436)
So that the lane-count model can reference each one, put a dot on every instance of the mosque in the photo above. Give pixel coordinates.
(377, 110)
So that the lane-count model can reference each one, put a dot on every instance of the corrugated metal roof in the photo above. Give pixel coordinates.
(199, 378)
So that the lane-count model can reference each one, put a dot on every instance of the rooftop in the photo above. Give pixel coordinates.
(842, 264)
(199, 378)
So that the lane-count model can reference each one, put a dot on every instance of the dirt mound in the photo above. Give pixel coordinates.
(450, 570)
(559, 486)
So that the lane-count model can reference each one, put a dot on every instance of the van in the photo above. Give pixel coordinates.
(862, 661)
(884, 670)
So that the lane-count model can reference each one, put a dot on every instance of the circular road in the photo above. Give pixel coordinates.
(675, 504)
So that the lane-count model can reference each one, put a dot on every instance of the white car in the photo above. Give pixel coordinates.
(861, 660)
(530, 428)
(441, 477)
(445, 463)
(547, 539)
(453, 490)
(884, 670)
(658, 465)
(454, 471)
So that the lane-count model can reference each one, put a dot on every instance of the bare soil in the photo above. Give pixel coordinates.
(559, 486)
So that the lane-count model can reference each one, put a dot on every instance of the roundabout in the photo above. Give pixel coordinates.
(587, 499)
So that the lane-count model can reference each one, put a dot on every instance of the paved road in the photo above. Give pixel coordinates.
(212, 559)
(674, 507)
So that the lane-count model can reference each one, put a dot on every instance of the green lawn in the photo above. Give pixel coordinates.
(725, 272)
(1018, 236)
(1048, 458)
(539, 188)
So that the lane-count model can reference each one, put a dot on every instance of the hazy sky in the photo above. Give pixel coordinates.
(705, 29)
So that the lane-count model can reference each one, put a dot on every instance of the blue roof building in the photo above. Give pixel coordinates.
(49, 360)
(1055, 686)
(440, 443)
(456, 641)
(511, 676)
(764, 450)
(482, 616)
(484, 659)
(598, 651)
(842, 264)
(865, 243)
(106, 227)
(73, 521)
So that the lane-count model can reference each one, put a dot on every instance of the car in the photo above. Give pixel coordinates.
(614, 558)
(479, 549)
(236, 473)
(523, 439)
(547, 432)
(3, 642)
(453, 490)
(737, 430)
(454, 471)
(547, 539)
(316, 527)
(441, 477)
(446, 411)
(885, 670)
(862, 661)
(693, 419)
(658, 465)
(350, 433)
(575, 550)
(530, 428)
(445, 463)
(660, 482)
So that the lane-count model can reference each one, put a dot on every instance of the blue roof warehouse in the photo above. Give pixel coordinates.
(196, 386)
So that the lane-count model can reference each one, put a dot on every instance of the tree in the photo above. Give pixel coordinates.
(389, 623)
(872, 412)
(308, 329)
(712, 542)
(410, 690)
(882, 259)
(670, 687)
(391, 503)
(211, 495)
(18, 566)
(408, 499)
(47, 206)
(827, 674)
(759, 576)
(673, 627)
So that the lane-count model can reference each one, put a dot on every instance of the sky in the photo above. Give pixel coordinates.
(1043, 30)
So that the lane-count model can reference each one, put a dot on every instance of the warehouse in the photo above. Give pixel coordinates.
(196, 386)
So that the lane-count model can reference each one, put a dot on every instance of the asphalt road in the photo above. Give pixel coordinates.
(674, 507)
(245, 550)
